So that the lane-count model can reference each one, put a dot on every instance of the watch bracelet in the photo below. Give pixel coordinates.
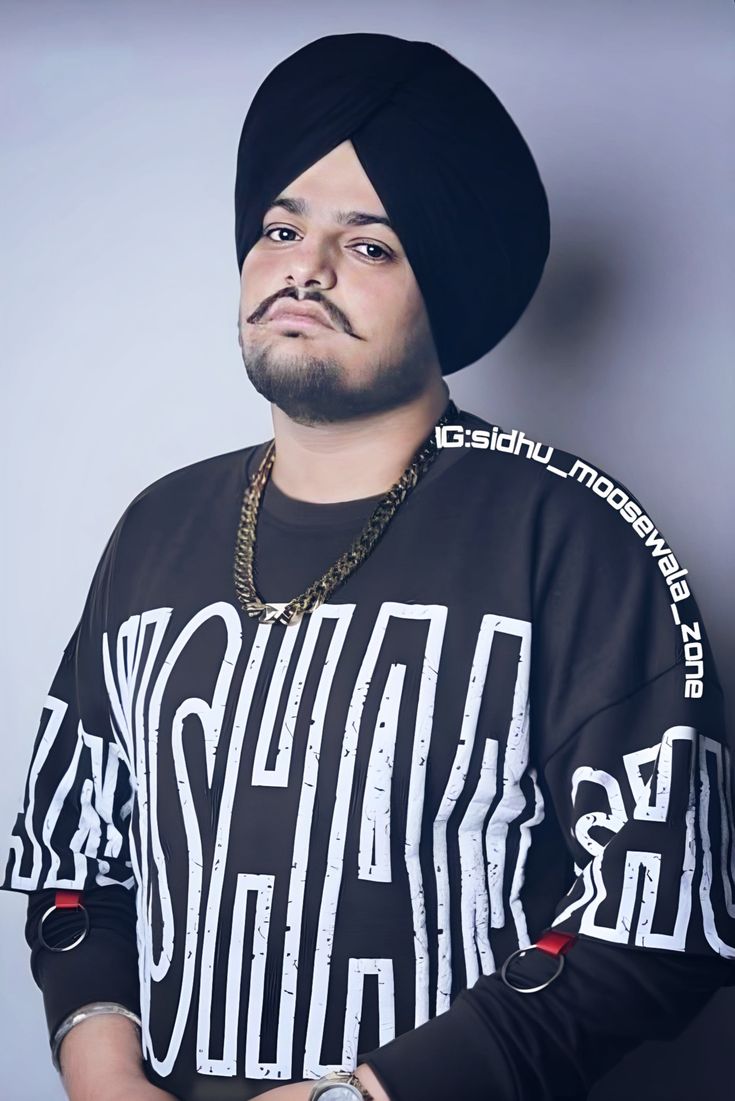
(339, 1078)
(91, 1009)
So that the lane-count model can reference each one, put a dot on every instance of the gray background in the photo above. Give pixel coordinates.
(119, 298)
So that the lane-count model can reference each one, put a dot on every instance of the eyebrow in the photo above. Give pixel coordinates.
(344, 217)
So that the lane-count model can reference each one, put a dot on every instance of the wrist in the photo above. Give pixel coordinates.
(119, 1085)
(371, 1082)
(123, 1085)
(347, 1085)
(101, 1047)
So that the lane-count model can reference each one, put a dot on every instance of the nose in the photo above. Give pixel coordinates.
(310, 263)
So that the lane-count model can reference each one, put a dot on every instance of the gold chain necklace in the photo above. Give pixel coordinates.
(347, 563)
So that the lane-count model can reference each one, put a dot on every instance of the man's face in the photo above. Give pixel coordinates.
(374, 350)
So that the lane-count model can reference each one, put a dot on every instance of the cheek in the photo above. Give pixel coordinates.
(400, 305)
(254, 278)
(414, 308)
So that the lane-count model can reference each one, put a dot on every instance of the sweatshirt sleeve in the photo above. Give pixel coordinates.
(552, 1045)
(71, 830)
(628, 735)
(103, 968)
(631, 739)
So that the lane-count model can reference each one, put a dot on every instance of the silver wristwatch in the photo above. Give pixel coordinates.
(340, 1085)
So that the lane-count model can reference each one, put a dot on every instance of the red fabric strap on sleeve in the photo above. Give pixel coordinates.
(68, 900)
(555, 943)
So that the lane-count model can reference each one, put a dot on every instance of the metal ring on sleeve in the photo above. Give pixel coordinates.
(65, 900)
(553, 944)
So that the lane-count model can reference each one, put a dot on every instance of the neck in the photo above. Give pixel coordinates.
(327, 463)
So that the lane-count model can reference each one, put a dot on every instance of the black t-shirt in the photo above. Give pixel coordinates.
(329, 836)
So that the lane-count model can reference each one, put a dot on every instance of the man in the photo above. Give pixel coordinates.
(355, 717)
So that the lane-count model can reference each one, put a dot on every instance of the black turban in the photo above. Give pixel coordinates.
(452, 170)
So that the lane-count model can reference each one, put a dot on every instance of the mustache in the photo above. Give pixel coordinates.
(333, 312)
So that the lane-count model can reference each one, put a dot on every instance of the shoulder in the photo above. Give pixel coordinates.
(567, 491)
(199, 476)
(587, 528)
(181, 495)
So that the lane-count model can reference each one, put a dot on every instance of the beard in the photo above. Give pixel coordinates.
(316, 389)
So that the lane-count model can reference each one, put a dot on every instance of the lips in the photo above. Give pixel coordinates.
(298, 313)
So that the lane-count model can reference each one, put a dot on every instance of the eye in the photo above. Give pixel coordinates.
(385, 254)
(277, 229)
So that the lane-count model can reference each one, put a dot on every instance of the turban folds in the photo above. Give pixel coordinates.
(452, 170)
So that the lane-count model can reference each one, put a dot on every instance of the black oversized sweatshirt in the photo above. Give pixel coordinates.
(309, 846)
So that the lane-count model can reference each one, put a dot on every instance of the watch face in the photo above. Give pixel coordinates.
(339, 1092)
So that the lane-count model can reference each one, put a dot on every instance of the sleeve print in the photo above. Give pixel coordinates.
(71, 829)
(643, 794)
(631, 735)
